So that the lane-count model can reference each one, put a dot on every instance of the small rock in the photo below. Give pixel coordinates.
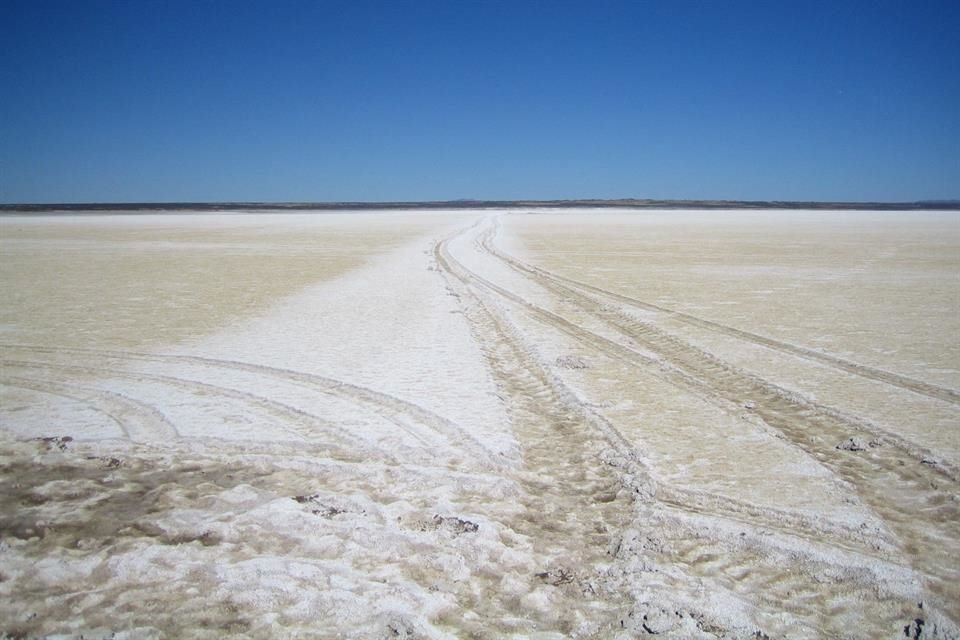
(914, 629)
(59, 442)
(571, 362)
(657, 621)
(457, 525)
(400, 627)
(557, 577)
(321, 509)
(852, 444)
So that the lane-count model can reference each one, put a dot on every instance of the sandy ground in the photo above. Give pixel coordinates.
(481, 424)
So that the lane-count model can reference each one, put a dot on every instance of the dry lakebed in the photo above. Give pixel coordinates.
(518, 423)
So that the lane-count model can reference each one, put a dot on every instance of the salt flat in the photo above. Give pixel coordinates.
(482, 424)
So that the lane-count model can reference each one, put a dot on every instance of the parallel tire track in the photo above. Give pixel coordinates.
(894, 379)
(711, 368)
(917, 500)
(696, 367)
(572, 512)
(107, 404)
(290, 417)
(721, 506)
(405, 415)
(734, 511)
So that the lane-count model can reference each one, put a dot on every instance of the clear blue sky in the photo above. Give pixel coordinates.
(395, 100)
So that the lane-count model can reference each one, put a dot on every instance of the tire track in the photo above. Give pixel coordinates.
(138, 421)
(879, 375)
(63, 391)
(864, 541)
(916, 499)
(649, 497)
(572, 512)
(802, 525)
(651, 336)
(406, 415)
(830, 594)
(289, 416)
(711, 369)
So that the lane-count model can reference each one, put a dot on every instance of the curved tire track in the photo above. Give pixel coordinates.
(861, 547)
(290, 416)
(405, 415)
(787, 522)
(904, 492)
(137, 420)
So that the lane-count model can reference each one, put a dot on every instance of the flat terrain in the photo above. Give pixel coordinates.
(435, 424)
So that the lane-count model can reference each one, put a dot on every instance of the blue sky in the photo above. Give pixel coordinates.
(355, 100)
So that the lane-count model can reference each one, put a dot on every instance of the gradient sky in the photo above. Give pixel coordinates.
(397, 100)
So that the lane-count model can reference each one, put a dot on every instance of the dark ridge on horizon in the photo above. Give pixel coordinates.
(625, 203)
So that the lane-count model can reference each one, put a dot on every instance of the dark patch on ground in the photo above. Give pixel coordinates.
(88, 503)
(58, 442)
(54, 500)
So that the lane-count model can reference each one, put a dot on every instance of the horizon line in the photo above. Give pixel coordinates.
(474, 203)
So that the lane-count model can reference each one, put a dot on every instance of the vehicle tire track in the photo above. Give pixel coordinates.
(648, 497)
(138, 421)
(662, 342)
(708, 370)
(879, 375)
(571, 513)
(406, 415)
(917, 499)
(840, 537)
(290, 416)
(829, 593)
(711, 369)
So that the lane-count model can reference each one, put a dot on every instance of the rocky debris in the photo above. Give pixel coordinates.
(457, 526)
(557, 577)
(320, 508)
(930, 624)
(857, 444)
(451, 524)
(401, 628)
(108, 461)
(571, 362)
(206, 538)
(914, 629)
(657, 621)
(60, 442)
(852, 444)
(635, 542)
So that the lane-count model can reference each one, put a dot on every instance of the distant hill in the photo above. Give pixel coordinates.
(626, 203)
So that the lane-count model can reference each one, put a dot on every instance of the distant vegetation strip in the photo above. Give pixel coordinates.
(149, 207)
